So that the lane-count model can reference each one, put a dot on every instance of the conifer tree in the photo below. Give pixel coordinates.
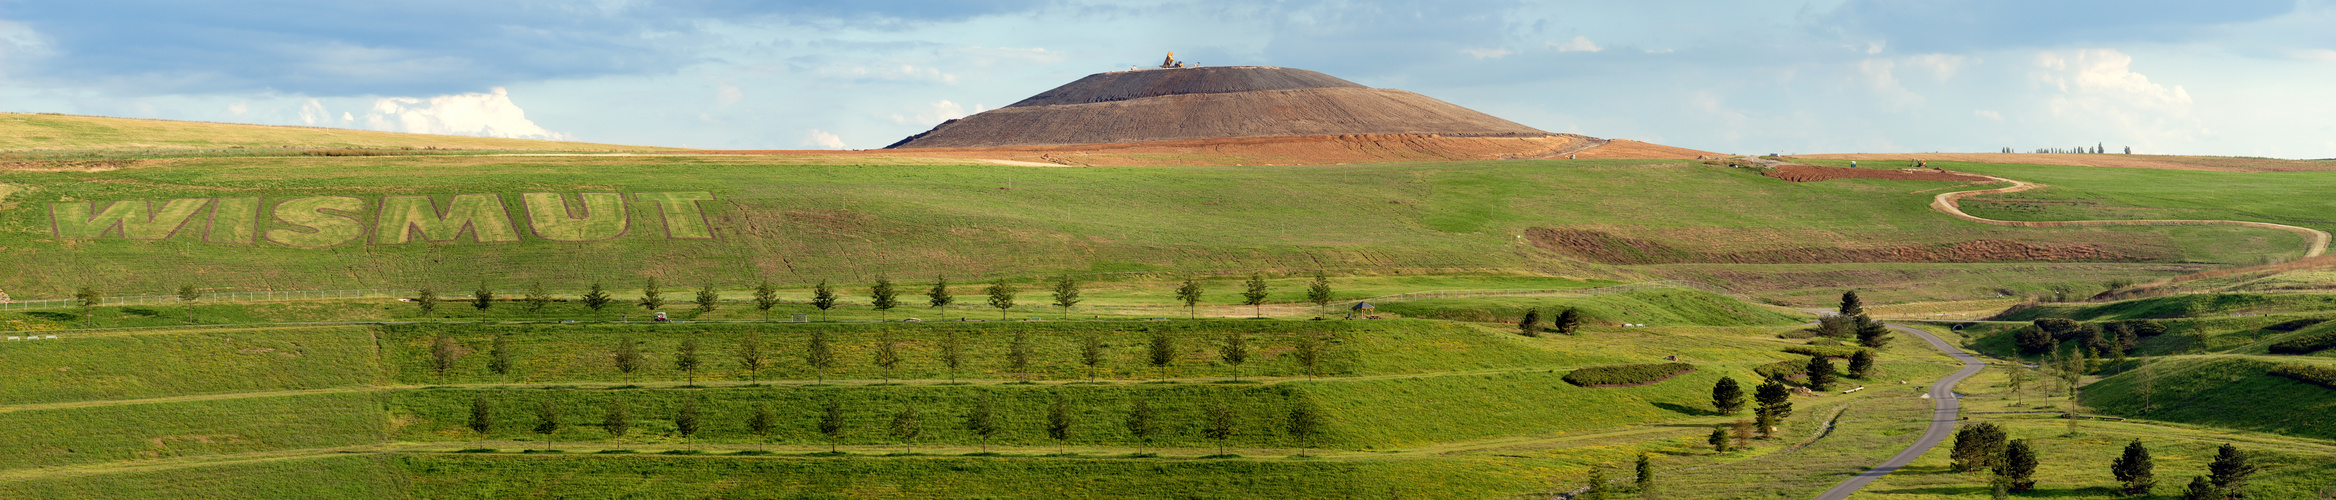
(1568, 322)
(952, 353)
(887, 354)
(823, 297)
(2135, 470)
(2017, 467)
(442, 353)
(1718, 438)
(1861, 364)
(2230, 471)
(597, 298)
(1162, 351)
(1254, 295)
(1646, 475)
(500, 359)
(187, 295)
(765, 298)
(482, 298)
(1318, 291)
(708, 299)
(1530, 325)
(652, 297)
(1872, 334)
(1018, 354)
(2201, 489)
(883, 297)
(1001, 296)
(1598, 489)
(1091, 352)
(426, 300)
(537, 298)
(1727, 396)
(1850, 305)
(939, 296)
(1066, 294)
(685, 421)
(628, 356)
(1821, 374)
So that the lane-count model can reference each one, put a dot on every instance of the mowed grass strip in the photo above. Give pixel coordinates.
(188, 362)
(1661, 307)
(129, 433)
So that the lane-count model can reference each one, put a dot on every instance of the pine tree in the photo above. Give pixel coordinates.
(1774, 396)
(617, 420)
(597, 299)
(652, 297)
(1766, 419)
(2201, 489)
(1189, 293)
(883, 297)
(765, 298)
(1318, 291)
(823, 297)
(906, 425)
(887, 354)
(1726, 396)
(1850, 305)
(500, 360)
(2018, 465)
(1162, 351)
(1234, 352)
(1977, 446)
(1141, 423)
(1718, 438)
(750, 355)
(708, 299)
(1305, 422)
(1821, 374)
(1530, 325)
(1254, 295)
(482, 416)
(538, 298)
(1598, 489)
(2135, 470)
(1219, 425)
(1066, 294)
(1001, 296)
(819, 354)
(952, 353)
(426, 300)
(1018, 354)
(1646, 475)
(1091, 353)
(686, 359)
(1861, 365)
(831, 422)
(1568, 322)
(982, 420)
(1058, 420)
(685, 421)
(628, 356)
(1872, 334)
(2229, 471)
(939, 296)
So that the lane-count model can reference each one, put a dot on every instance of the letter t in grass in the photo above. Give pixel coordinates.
(683, 218)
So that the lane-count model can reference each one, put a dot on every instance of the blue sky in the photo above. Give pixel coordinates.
(2235, 77)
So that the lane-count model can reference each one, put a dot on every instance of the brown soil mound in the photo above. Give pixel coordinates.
(1610, 249)
(2207, 163)
(1626, 148)
(1125, 85)
(1301, 150)
(1811, 173)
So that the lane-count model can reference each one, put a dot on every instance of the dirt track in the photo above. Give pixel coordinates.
(1946, 202)
(1812, 173)
(2206, 163)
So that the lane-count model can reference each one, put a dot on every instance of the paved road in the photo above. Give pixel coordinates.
(1942, 419)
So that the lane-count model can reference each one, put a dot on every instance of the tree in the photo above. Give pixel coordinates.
(1189, 293)
(1318, 292)
(905, 425)
(1872, 333)
(1850, 305)
(1254, 295)
(628, 356)
(1837, 326)
(1066, 294)
(819, 354)
(537, 298)
(652, 298)
(1530, 325)
(1091, 353)
(763, 423)
(2229, 471)
(482, 415)
(2201, 489)
(1162, 351)
(597, 299)
(1646, 475)
(1598, 489)
(547, 418)
(883, 296)
(500, 360)
(187, 295)
(2135, 470)
(1861, 365)
(765, 298)
(2018, 380)
(1568, 321)
(750, 355)
(685, 420)
(1766, 420)
(442, 354)
(1141, 423)
(1234, 352)
(686, 359)
(1001, 296)
(831, 422)
(708, 299)
(482, 298)
(89, 299)
(2017, 467)
(823, 297)
(1058, 420)
(939, 296)
(2034, 340)
(1018, 354)
(618, 420)
(1219, 425)
(1977, 446)
(982, 420)
(1775, 404)
(1821, 375)
(1718, 438)
(1726, 396)
(1305, 422)
(952, 353)
(1308, 349)
(1741, 430)
(426, 300)
(887, 354)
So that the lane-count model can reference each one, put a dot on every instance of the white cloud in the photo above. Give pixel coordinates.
(19, 42)
(1988, 114)
(313, 111)
(728, 95)
(2321, 55)
(1486, 53)
(822, 139)
(2108, 74)
(1944, 66)
(238, 108)
(1880, 75)
(480, 114)
(932, 114)
(1578, 44)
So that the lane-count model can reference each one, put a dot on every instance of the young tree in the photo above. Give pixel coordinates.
(628, 356)
(1837, 326)
(1162, 351)
(1308, 350)
(824, 298)
(1530, 325)
(1219, 425)
(1861, 365)
(1850, 305)
(1318, 291)
(1254, 295)
(1977, 446)
(617, 420)
(763, 423)
(187, 295)
(1821, 375)
(537, 298)
(1141, 423)
(819, 354)
(442, 354)
(482, 415)
(686, 359)
(597, 299)
(1872, 333)
(1001, 296)
(1766, 421)
(765, 298)
(547, 418)
(652, 297)
(88, 299)
(685, 421)
(1726, 396)
(708, 299)
(2229, 471)
(1568, 321)
(1091, 353)
(982, 420)
(1018, 355)
(1718, 438)
(1305, 422)
(1646, 475)
(1234, 352)
(939, 296)
(2135, 470)
(1598, 489)
(1058, 420)
(750, 355)
(2017, 378)
(1775, 404)
(1741, 430)
(887, 354)
(2017, 467)
(905, 425)
(1189, 293)
(952, 353)
(482, 298)
(831, 422)
(2201, 489)
(1066, 294)
(500, 360)
(426, 300)
(883, 296)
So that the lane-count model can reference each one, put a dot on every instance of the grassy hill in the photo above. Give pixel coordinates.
(44, 135)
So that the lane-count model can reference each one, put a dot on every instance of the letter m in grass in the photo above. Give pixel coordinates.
(138, 220)
(481, 215)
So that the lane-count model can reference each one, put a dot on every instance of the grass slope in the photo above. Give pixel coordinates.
(49, 131)
(189, 362)
(2220, 391)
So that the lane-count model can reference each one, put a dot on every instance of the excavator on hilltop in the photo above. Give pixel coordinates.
(1171, 62)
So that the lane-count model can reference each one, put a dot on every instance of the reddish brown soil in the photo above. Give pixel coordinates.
(1626, 148)
(1300, 150)
(1610, 249)
(1811, 173)
(2208, 163)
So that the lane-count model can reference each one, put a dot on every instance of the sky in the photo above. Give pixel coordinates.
(2232, 77)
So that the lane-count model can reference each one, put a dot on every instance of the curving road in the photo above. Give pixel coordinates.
(1943, 417)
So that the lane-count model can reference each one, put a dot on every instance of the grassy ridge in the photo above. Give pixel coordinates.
(2180, 306)
(165, 430)
(1651, 307)
(2230, 392)
(82, 368)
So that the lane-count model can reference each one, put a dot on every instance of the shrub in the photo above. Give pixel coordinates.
(2283, 327)
(2311, 374)
(1626, 374)
(2306, 344)
(1842, 351)
(1782, 370)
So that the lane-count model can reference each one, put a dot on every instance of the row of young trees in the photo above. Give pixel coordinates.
(1774, 403)
(883, 296)
(752, 354)
(1219, 421)
(1986, 446)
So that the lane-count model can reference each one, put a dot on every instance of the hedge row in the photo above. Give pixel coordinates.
(2311, 374)
(1783, 370)
(1626, 374)
(1830, 351)
(2306, 344)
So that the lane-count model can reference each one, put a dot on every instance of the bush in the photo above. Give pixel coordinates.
(2306, 344)
(1626, 374)
(2311, 374)
(1842, 351)
(2283, 327)
(1782, 370)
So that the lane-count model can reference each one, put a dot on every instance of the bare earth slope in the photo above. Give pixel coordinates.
(1265, 113)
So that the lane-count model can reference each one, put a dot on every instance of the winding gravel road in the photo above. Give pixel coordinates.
(1943, 416)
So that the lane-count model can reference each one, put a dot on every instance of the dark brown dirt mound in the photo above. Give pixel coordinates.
(1268, 113)
(1610, 249)
(1124, 85)
(1294, 150)
(1812, 173)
